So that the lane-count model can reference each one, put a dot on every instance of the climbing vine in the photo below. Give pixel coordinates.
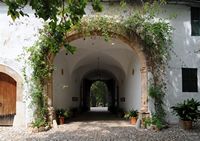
(153, 32)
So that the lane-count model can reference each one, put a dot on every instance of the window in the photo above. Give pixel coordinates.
(189, 80)
(195, 21)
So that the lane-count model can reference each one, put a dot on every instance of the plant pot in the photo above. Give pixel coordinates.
(61, 120)
(185, 124)
(133, 120)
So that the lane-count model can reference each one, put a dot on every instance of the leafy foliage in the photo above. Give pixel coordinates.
(63, 113)
(99, 93)
(154, 120)
(187, 110)
(157, 121)
(39, 122)
(157, 94)
(49, 10)
(131, 113)
(97, 5)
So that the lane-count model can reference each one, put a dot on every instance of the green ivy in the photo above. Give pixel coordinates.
(157, 94)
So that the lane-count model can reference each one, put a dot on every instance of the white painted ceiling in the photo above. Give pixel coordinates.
(111, 54)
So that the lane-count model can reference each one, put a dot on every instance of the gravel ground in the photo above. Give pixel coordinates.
(101, 131)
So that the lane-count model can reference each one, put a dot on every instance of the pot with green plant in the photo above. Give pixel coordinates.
(61, 115)
(187, 111)
(132, 115)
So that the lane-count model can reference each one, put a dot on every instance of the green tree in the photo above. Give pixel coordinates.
(99, 92)
(61, 15)
(50, 9)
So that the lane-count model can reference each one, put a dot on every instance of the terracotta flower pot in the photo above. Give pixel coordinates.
(185, 124)
(61, 120)
(133, 120)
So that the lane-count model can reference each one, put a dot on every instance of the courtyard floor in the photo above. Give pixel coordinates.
(100, 131)
(100, 126)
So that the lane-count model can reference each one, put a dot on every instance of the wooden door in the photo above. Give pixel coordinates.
(7, 99)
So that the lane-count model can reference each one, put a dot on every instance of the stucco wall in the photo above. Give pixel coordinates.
(132, 87)
(185, 54)
(15, 35)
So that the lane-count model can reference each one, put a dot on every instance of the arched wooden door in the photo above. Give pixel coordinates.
(7, 99)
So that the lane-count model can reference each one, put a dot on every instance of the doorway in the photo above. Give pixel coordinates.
(99, 96)
(7, 99)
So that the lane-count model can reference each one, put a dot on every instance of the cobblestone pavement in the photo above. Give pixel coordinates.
(100, 131)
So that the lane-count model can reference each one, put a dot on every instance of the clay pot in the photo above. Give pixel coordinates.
(185, 124)
(133, 120)
(61, 120)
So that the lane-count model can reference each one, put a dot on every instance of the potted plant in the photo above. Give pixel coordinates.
(132, 115)
(187, 111)
(61, 115)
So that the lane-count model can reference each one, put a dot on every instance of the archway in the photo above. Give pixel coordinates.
(15, 81)
(99, 85)
(75, 71)
(99, 95)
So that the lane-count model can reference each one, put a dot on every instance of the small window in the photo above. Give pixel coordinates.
(195, 21)
(189, 80)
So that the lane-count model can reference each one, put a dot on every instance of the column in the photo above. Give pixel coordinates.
(144, 91)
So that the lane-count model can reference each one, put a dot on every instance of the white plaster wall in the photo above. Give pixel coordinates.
(131, 87)
(62, 84)
(13, 37)
(185, 54)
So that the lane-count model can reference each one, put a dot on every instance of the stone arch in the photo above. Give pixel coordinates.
(134, 42)
(19, 119)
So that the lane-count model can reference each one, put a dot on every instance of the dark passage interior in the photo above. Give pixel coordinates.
(96, 116)
(91, 97)
(98, 103)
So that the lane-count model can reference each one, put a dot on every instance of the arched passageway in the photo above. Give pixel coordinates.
(108, 94)
(123, 66)
(99, 94)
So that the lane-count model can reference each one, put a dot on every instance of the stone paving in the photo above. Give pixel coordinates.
(89, 128)
(100, 131)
